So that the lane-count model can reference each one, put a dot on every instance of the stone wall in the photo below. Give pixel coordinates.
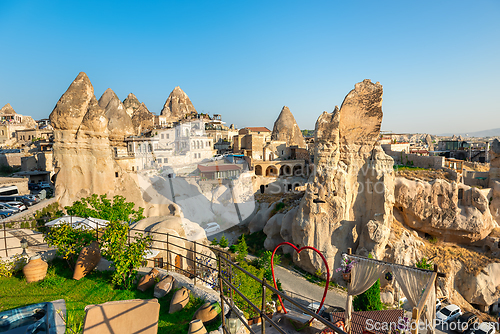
(480, 179)
(415, 160)
(11, 159)
(20, 182)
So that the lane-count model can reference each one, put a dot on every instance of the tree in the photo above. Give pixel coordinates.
(126, 254)
(223, 242)
(241, 249)
(101, 207)
(368, 300)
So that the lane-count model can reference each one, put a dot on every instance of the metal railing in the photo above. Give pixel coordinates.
(204, 263)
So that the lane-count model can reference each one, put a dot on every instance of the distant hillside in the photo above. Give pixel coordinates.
(484, 133)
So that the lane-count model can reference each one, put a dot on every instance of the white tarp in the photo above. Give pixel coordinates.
(79, 222)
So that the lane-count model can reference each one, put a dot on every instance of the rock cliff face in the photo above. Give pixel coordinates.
(7, 109)
(177, 105)
(495, 180)
(119, 122)
(286, 129)
(131, 104)
(83, 160)
(453, 212)
(142, 119)
(349, 198)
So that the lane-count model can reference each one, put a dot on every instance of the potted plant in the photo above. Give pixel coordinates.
(345, 268)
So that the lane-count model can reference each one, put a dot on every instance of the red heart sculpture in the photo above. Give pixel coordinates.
(298, 252)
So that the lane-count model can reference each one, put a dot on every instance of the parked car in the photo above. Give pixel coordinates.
(212, 228)
(216, 157)
(33, 186)
(19, 205)
(44, 185)
(465, 322)
(484, 328)
(4, 214)
(448, 313)
(5, 206)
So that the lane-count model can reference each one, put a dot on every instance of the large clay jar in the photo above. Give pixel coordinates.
(87, 260)
(207, 312)
(179, 300)
(148, 280)
(164, 286)
(36, 269)
(196, 327)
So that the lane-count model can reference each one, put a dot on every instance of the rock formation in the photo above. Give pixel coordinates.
(119, 122)
(7, 109)
(83, 161)
(142, 119)
(286, 129)
(494, 180)
(451, 211)
(131, 104)
(178, 105)
(349, 198)
(430, 144)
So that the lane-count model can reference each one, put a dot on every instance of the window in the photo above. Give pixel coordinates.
(116, 174)
(158, 262)
(163, 136)
(165, 160)
(168, 136)
(132, 168)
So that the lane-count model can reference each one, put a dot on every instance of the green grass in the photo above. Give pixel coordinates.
(95, 288)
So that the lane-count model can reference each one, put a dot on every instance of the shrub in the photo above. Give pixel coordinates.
(8, 268)
(126, 255)
(368, 300)
(103, 208)
(250, 288)
(69, 241)
(223, 242)
(214, 242)
(423, 263)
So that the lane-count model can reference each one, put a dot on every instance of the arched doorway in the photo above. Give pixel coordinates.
(271, 156)
(178, 264)
(285, 170)
(258, 170)
(297, 170)
(271, 171)
(262, 188)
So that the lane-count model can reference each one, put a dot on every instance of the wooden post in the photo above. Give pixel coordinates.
(414, 317)
(348, 307)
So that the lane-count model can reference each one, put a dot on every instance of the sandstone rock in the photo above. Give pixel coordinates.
(178, 105)
(483, 289)
(7, 109)
(142, 119)
(356, 181)
(494, 180)
(131, 104)
(119, 122)
(286, 129)
(430, 144)
(387, 297)
(261, 217)
(273, 231)
(434, 208)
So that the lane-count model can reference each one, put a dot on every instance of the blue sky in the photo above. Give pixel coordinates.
(439, 61)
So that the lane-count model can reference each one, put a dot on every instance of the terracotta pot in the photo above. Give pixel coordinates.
(36, 269)
(347, 276)
(279, 308)
(207, 312)
(164, 286)
(148, 280)
(87, 260)
(179, 300)
(196, 327)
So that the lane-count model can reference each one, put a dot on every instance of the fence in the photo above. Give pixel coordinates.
(202, 263)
